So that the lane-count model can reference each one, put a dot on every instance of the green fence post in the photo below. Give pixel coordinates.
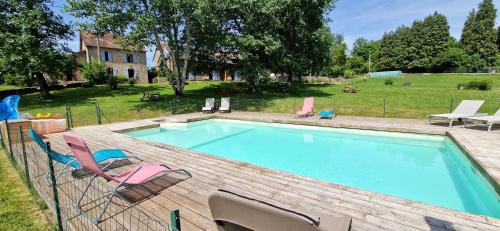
(175, 220)
(1, 139)
(8, 138)
(25, 159)
(385, 106)
(66, 116)
(98, 113)
(172, 107)
(70, 116)
(140, 110)
(54, 190)
(451, 104)
(238, 103)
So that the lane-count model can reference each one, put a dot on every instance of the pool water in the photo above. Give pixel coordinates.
(424, 168)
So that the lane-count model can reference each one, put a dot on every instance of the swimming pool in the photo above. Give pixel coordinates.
(424, 168)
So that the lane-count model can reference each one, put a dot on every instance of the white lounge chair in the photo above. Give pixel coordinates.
(488, 120)
(225, 105)
(466, 108)
(209, 105)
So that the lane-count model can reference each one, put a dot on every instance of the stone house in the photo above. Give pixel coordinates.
(217, 67)
(128, 62)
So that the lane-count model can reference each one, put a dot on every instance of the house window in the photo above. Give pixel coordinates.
(107, 56)
(130, 73)
(130, 58)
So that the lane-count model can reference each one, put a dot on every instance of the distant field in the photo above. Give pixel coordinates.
(427, 94)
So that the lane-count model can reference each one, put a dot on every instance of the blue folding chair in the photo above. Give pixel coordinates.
(68, 160)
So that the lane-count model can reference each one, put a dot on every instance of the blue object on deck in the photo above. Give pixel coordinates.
(386, 74)
(324, 113)
(8, 108)
(99, 156)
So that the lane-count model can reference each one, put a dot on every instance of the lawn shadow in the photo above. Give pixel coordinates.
(86, 96)
(241, 98)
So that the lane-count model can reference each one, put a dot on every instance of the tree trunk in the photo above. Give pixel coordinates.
(42, 84)
(187, 55)
(176, 55)
(290, 78)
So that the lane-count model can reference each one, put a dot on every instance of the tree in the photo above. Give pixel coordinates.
(415, 48)
(339, 55)
(281, 36)
(396, 50)
(29, 41)
(148, 23)
(498, 39)
(429, 41)
(368, 51)
(478, 36)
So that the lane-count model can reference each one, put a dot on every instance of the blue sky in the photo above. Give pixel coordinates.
(369, 18)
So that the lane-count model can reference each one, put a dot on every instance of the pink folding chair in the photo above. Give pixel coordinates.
(131, 178)
(307, 108)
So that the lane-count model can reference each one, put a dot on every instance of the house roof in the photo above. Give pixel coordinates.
(108, 40)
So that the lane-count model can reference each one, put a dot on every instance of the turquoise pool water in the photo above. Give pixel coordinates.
(425, 168)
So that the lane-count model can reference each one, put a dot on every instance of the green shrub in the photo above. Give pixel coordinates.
(154, 80)
(113, 82)
(132, 81)
(407, 84)
(349, 74)
(19, 80)
(471, 85)
(484, 85)
(95, 73)
(388, 82)
(122, 79)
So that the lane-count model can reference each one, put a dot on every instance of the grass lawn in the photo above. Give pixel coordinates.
(427, 94)
(4, 87)
(18, 210)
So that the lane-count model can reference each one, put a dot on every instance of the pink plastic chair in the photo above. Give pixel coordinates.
(307, 108)
(132, 178)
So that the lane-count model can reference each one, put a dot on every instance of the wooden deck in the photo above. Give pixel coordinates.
(369, 210)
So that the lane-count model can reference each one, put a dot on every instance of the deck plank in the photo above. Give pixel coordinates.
(370, 210)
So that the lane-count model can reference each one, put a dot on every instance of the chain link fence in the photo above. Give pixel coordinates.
(60, 188)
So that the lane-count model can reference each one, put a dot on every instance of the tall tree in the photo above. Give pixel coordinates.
(396, 50)
(498, 39)
(339, 54)
(368, 51)
(281, 36)
(149, 23)
(429, 41)
(478, 36)
(30, 35)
